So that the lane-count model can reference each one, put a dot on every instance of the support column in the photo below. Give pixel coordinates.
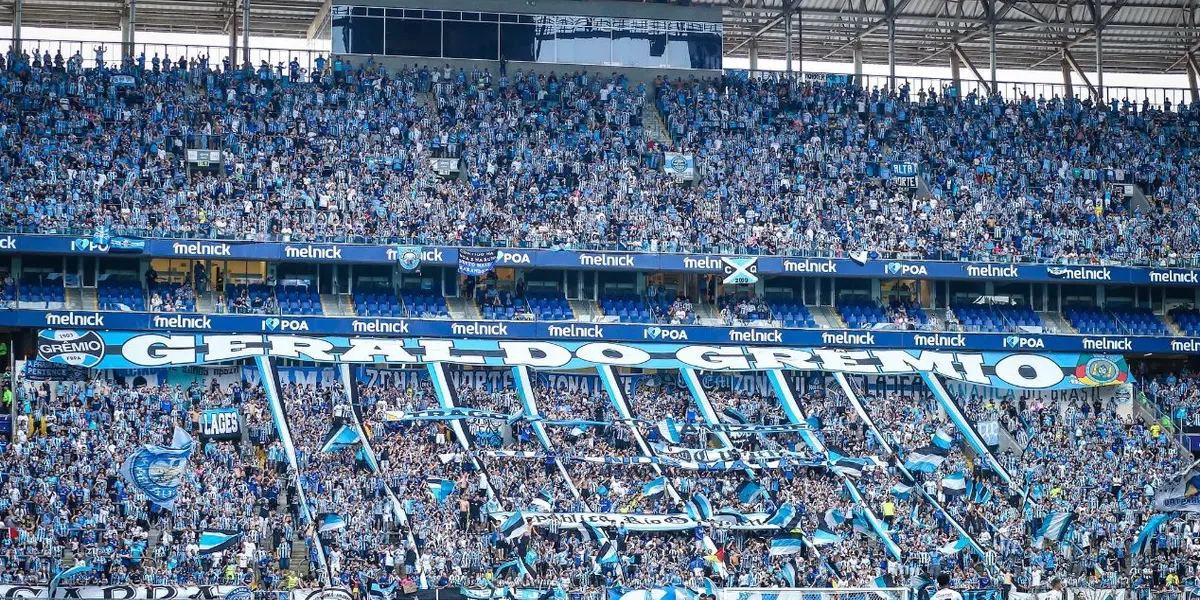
(799, 39)
(1099, 53)
(246, 33)
(858, 62)
(128, 27)
(1066, 70)
(1193, 70)
(991, 14)
(787, 34)
(18, 10)
(233, 34)
(891, 19)
(753, 58)
(956, 73)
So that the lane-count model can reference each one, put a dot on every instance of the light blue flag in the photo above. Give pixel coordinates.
(789, 574)
(79, 569)
(331, 522)
(214, 540)
(784, 545)
(441, 489)
(340, 437)
(515, 526)
(1054, 527)
(1143, 538)
(544, 501)
(669, 430)
(943, 439)
(157, 472)
(955, 547)
(655, 487)
(901, 491)
(834, 518)
(954, 485)
(698, 507)
(824, 537)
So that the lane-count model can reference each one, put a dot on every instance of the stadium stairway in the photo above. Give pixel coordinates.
(1172, 326)
(337, 305)
(81, 299)
(653, 123)
(204, 302)
(584, 310)
(827, 317)
(463, 308)
(1056, 323)
(707, 314)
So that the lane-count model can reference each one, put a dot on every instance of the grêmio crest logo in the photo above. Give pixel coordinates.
(76, 348)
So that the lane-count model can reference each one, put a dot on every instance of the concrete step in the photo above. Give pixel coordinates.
(74, 298)
(463, 308)
(206, 302)
(827, 317)
(652, 121)
(1172, 326)
(337, 305)
(584, 310)
(1056, 323)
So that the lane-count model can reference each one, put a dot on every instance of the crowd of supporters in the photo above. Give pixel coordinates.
(567, 159)
(63, 497)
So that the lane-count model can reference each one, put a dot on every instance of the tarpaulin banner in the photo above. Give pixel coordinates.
(170, 592)
(119, 350)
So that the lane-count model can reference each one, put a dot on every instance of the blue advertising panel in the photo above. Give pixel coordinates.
(616, 332)
(600, 260)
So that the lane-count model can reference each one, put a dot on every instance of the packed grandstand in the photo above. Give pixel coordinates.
(392, 480)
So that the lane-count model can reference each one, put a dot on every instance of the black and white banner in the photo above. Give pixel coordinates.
(169, 592)
(220, 424)
(639, 522)
(476, 262)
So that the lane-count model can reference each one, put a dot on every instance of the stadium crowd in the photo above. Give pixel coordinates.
(342, 153)
(63, 497)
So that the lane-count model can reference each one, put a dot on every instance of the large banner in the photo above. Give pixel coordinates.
(168, 592)
(476, 262)
(120, 350)
(640, 522)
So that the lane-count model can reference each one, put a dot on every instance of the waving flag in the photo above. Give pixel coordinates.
(955, 547)
(1143, 538)
(216, 540)
(669, 430)
(789, 574)
(901, 491)
(834, 518)
(340, 437)
(733, 415)
(441, 489)
(824, 537)
(698, 507)
(331, 522)
(515, 526)
(926, 459)
(954, 485)
(785, 517)
(783, 545)
(748, 491)
(1184, 495)
(942, 439)
(1054, 527)
(655, 487)
(845, 466)
(157, 472)
(544, 501)
(79, 569)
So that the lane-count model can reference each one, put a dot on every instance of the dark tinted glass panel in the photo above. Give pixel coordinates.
(470, 16)
(357, 35)
(470, 40)
(639, 49)
(694, 51)
(490, 17)
(366, 35)
(360, 11)
(375, 12)
(451, 15)
(433, 14)
(508, 18)
(516, 42)
(412, 37)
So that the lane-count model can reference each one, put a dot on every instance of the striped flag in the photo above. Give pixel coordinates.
(954, 485)
(789, 574)
(748, 491)
(785, 517)
(955, 547)
(926, 459)
(845, 466)
(669, 430)
(783, 545)
(515, 526)
(834, 519)
(440, 488)
(216, 540)
(340, 437)
(331, 522)
(544, 501)
(1143, 538)
(901, 491)
(698, 507)
(943, 439)
(655, 487)
(1054, 527)
(733, 415)
(824, 537)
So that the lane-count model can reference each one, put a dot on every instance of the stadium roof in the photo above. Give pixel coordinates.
(1155, 36)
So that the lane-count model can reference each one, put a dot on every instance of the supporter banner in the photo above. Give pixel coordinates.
(445, 414)
(1095, 594)
(638, 522)
(1183, 495)
(156, 471)
(629, 261)
(613, 332)
(409, 257)
(989, 431)
(904, 174)
(476, 262)
(166, 592)
(720, 456)
(120, 350)
(693, 465)
(220, 424)
(40, 370)
(681, 166)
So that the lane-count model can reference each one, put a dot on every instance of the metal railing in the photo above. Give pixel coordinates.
(112, 52)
